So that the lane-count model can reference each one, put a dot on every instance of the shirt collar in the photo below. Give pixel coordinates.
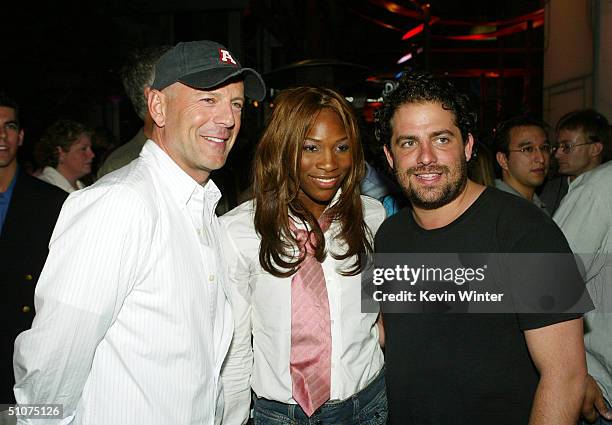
(59, 180)
(181, 186)
(502, 185)
(9, 189)
(5, 200)
(573, 183)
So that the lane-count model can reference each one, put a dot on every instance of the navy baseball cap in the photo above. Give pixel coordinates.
(205, 64)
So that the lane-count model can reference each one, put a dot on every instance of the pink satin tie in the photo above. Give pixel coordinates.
(310, 360)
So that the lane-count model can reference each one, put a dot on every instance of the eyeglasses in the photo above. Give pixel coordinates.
(529, 150)
(569, 147)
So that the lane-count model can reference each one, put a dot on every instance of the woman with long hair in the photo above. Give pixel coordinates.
(295, 256)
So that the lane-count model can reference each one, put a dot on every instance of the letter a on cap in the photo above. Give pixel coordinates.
(226, 57)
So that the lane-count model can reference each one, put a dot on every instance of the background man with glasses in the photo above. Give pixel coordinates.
(523, 154)
(584, 216)
(581, 138)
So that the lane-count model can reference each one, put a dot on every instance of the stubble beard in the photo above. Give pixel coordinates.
(431, 198)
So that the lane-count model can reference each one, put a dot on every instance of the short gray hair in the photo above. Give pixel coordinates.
(138, 73)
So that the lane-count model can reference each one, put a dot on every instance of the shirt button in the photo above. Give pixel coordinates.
(28, 277)
(211, 277)
(26, 309)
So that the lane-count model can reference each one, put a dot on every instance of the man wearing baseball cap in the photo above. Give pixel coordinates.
(133, 321)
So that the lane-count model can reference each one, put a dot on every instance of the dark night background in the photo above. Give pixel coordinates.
(60, 59)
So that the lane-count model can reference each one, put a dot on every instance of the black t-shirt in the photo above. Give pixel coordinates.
(466, 368)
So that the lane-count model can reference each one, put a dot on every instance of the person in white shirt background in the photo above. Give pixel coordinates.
(307, 170)
(133, 321)
(65, 153)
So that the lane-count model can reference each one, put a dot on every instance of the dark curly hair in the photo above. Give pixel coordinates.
(421, 87)
(63, 134)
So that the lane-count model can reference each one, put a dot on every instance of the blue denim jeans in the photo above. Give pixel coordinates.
(367, 407)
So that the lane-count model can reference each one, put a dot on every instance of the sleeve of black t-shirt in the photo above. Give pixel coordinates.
(532, 232)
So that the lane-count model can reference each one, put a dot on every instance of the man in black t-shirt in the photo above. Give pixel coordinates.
(466, 368)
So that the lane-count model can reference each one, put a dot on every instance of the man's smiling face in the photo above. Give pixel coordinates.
(202, 126)
(11, 136)
(427, 154)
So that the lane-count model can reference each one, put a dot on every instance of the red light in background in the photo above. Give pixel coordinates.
(414, 31)
(369, 109)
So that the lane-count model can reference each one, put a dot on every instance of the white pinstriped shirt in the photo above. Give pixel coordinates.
(133, 321)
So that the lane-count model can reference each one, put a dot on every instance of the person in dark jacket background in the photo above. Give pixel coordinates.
(29, 209)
